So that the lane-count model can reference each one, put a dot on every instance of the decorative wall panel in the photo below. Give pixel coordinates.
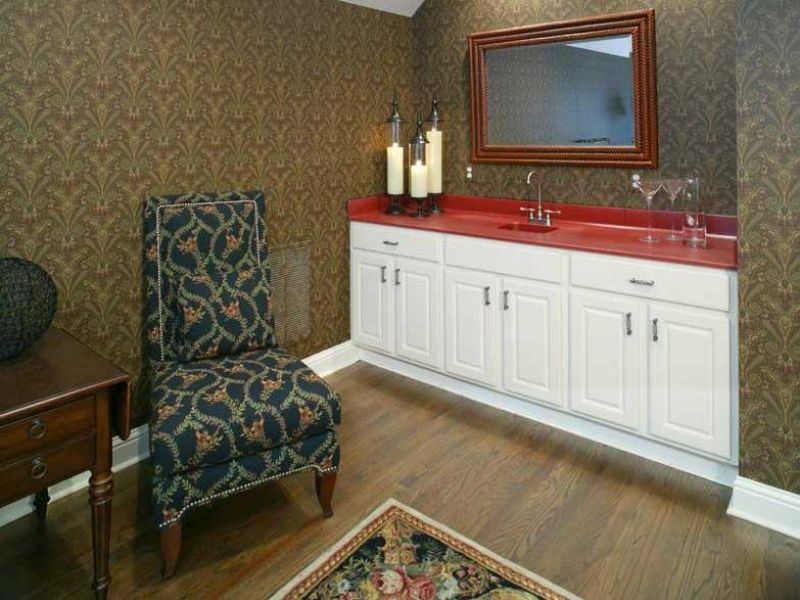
(104, 102)
(768, 73)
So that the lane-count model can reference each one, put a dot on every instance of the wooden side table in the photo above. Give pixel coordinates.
(58, 404)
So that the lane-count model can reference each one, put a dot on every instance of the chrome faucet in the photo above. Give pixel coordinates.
(542, 217)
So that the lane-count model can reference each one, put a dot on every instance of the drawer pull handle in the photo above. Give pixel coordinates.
(38, 468)
(383, 274)
(647, 282)
(505, 299)
(486, 299)
(655, 330)
(628, 324)
(397, 276)
(37, 429)
(388, 243)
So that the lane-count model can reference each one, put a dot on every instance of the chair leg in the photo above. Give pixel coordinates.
(170, 549)
(325, 484)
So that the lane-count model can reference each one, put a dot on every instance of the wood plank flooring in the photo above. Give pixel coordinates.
(597, 521)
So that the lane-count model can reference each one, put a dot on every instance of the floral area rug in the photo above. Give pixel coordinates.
(397, 553)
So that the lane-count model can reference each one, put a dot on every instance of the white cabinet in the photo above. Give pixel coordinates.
(372, 298)
(418, 301)
(632, 344)
(605, 353)
(533, 344)
(397, 306)
(471, 325)
(690, 373)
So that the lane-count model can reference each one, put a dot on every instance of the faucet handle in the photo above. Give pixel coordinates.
(548, 212)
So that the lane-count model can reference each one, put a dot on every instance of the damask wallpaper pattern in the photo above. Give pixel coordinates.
(696, 47)
(768, 73)
(105, 102)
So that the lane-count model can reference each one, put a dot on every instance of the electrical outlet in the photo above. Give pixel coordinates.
(469, 173)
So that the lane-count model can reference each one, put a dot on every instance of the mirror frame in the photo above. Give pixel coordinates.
(640, 25)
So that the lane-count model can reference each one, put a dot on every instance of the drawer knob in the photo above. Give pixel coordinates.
(388, 243)
(38, 468)
(647, 282)
(37, 429)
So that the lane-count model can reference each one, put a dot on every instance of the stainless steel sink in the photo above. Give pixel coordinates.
(528, 227)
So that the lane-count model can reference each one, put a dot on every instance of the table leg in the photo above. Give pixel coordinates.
(101, 490)
(40, 501)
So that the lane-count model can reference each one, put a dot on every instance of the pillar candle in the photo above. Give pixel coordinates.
(433, 158)
(394, 169)
(418, 180)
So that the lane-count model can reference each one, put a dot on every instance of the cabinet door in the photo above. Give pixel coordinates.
(690, 371)
(371, 293)
(418, 301)
(605, 347)
(532, 339)
(471, 325)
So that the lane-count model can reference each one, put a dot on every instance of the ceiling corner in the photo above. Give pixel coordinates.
(406, 8)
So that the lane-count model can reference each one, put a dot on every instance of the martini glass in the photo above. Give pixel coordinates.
(649, 189)
(674, 187)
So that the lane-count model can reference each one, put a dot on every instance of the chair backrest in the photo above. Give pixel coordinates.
(194, 233)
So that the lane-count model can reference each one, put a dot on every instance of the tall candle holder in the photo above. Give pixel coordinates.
(417, 169)
(394, 160)
(434, 156)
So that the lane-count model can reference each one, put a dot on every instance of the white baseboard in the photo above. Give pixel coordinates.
(125, 454)
(334, 358)
(136, 447)
(765, 505)
(667, 455)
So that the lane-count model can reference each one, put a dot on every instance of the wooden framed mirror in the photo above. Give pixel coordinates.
(580, 93)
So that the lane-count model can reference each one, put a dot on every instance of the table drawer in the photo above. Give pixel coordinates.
(37, 471)
(505, 258)
(695, 286)
(48, 428)
(400, 241)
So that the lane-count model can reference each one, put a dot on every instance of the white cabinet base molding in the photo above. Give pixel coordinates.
(766, 506)
(682, 460)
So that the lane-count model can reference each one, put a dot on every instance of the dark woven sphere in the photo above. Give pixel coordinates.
(27, 304)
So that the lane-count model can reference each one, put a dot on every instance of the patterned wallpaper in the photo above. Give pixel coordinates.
(768, 73)
(696, 47)
(104, 102)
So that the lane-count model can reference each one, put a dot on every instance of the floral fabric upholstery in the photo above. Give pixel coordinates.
(223, 313)
(190, 234)
(209, 411)
(221, 425)
(176, 494)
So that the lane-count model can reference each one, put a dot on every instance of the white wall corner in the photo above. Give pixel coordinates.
(765, 505)
(334, 358)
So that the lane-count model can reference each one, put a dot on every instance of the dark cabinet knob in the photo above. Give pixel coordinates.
(37, 429)
(38, 468)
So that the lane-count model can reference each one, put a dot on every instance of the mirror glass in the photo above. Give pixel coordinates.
(577, 93)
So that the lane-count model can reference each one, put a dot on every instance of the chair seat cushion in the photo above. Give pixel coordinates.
(210, 411)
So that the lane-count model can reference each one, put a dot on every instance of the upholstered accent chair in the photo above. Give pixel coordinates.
(230, 410)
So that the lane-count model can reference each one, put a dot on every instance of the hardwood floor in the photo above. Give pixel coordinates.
(597, 521)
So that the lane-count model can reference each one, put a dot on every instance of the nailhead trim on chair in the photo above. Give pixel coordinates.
(241, 488)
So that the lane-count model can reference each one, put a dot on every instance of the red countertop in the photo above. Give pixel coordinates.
(586, 228)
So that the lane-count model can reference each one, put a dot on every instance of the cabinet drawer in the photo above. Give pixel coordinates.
(46, 429)
(506, 258)
(26, 476)
(398, 241)
(695, 286)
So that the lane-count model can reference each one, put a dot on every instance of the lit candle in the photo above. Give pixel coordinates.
(433, 158)
(394, 169)
(418, 180)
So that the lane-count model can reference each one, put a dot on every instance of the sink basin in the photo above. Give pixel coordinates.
(528, 227)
